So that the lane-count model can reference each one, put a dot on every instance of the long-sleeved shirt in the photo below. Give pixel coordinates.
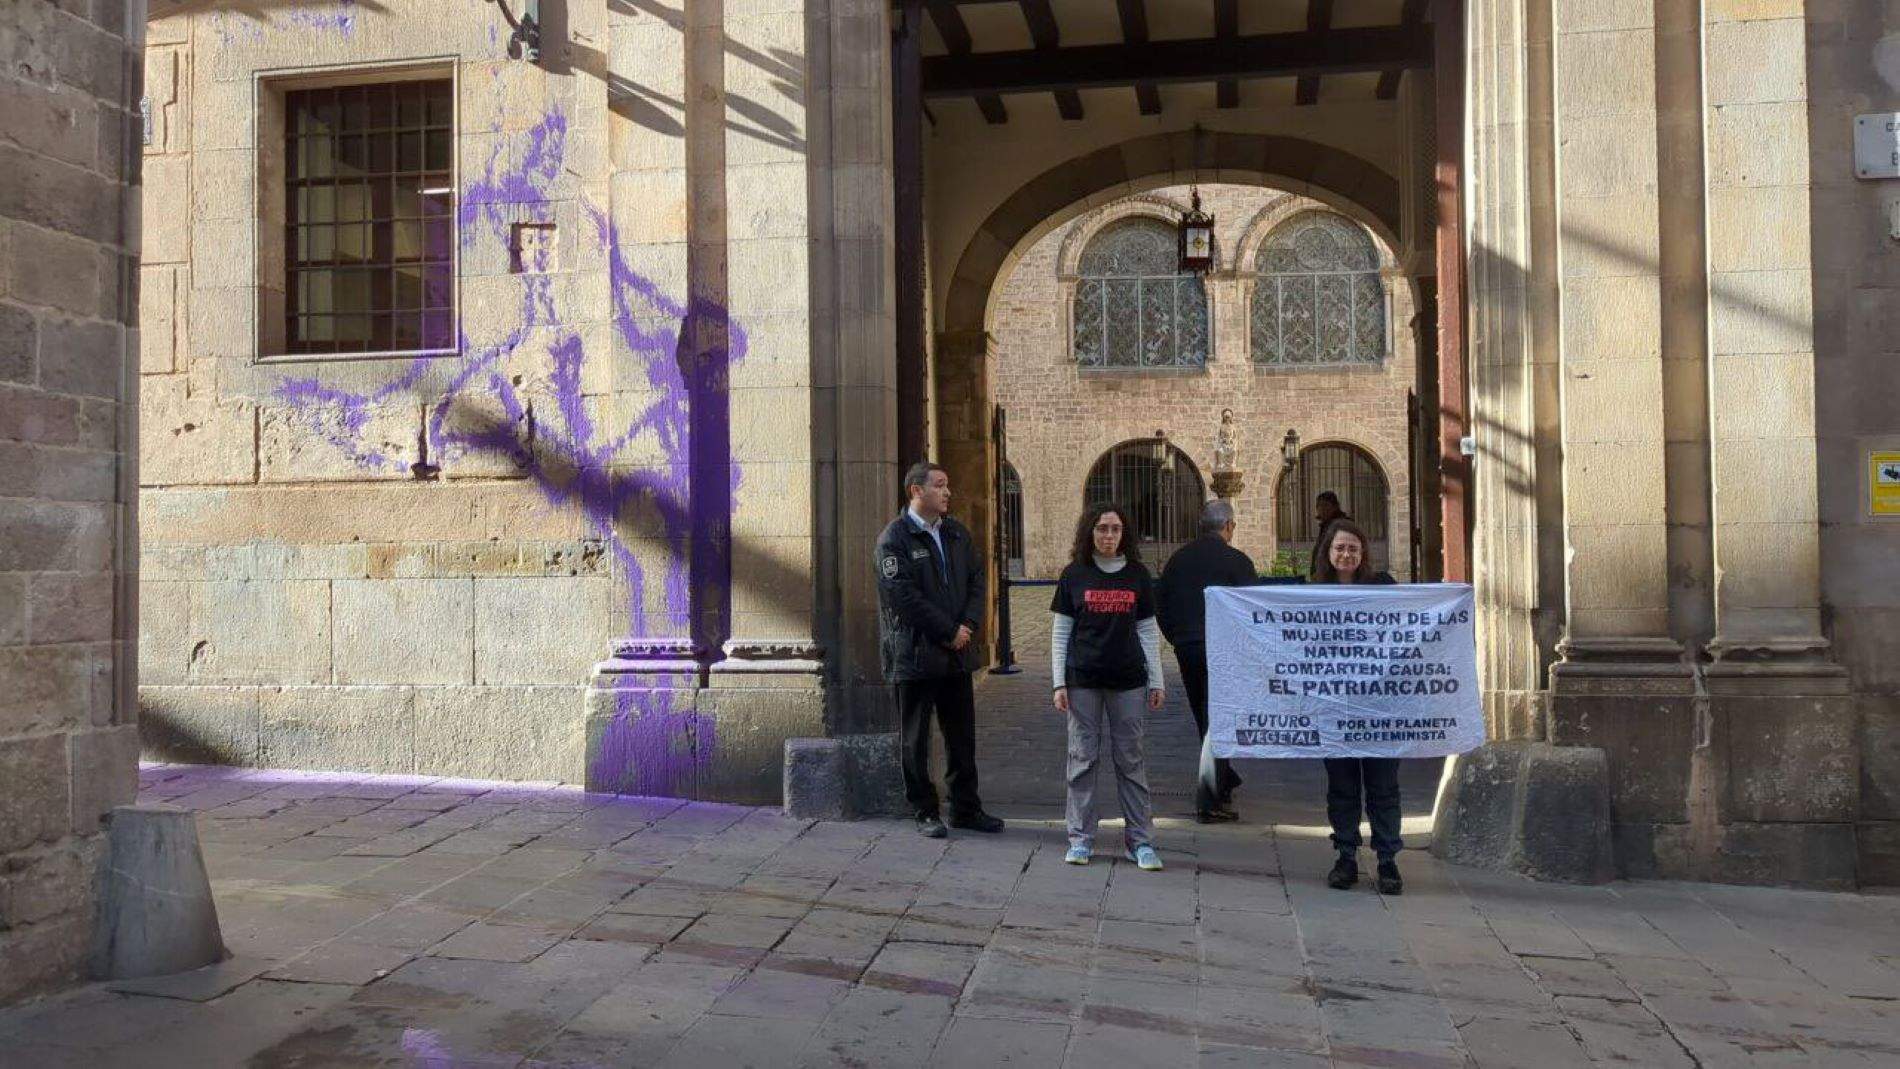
(1104, 633)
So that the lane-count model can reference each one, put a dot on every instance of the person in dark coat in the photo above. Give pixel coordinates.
(1209, 560)
(1356, 785)
(1326, 512)
(930, 594)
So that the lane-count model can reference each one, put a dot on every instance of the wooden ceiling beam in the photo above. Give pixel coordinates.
(1412, 15)
(1134, 16)
(1227, 27)
(1047, 36)
(1319, 18)
(956, 38)
(1279, 55)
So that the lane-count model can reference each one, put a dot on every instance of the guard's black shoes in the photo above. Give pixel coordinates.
(1345, 873)
(931, 828)
(1216, 815)
(1389, 882)
(978, 821)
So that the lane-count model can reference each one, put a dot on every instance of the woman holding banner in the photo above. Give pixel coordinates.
(1359, 784)
(1107, 665)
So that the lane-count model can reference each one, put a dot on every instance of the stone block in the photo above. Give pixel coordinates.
(37, 802)
(56, 269)
(643, 731)
(404, 630)
(54, 536)
(1528, 807)
(200, 725)
(19, 345)
(85, 357)
(874, 774)
(1823, 856)
(105, 771)
(514, 733)
(260, 631)
(165, 642)
(48, 688)
(1790, 759)
(742, 756)
(1879, 757)
(40, 957)
(1879, 864)
(354, 729)
(549, 629)
(1758, 145)
(193, 439)
(816, 781)
(317, 444)
(12, 609)
(71, 607)
(43, 884)
(156, 914)
(1648, 739)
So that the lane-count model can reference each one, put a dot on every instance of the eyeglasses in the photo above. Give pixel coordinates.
(1108, 528)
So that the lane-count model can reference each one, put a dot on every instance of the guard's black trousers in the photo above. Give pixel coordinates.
(951, 698)
(1376, 779)
(1193, 659)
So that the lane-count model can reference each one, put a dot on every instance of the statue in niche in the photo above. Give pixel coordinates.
(1224, 449)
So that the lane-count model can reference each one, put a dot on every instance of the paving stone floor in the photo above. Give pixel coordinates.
(435, 923)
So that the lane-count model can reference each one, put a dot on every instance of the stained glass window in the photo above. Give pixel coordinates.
(1133, 306)
(1317, 295)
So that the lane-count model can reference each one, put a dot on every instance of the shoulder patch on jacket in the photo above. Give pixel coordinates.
(889, 566)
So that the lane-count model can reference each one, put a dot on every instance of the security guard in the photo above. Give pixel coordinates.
(930, 597)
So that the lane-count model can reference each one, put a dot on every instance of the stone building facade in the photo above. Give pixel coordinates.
(587, 496)
(1064, 418)
(69, 243)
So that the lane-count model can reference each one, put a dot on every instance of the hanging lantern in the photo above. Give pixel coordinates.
(1197, 238)
(1290, 449)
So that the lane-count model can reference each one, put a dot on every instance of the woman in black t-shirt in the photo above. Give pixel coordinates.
(1356, 784)
(1107, 668)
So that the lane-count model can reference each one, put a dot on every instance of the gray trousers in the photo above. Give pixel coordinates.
(1121, 715)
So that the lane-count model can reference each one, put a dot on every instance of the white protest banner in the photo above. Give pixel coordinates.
(1342, 671)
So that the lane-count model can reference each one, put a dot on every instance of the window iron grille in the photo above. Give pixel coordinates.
(1318, 299)
(1351, 474)
(369, 218)
(1159, 486)
(1134, 307)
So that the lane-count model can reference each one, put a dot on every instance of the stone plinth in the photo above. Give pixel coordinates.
(156, 916)
(1228, 484)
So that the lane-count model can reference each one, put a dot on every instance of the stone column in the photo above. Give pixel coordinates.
(69, 246)
(1499, 170)
(1782, 728)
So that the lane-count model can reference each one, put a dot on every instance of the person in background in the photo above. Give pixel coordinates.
(1355, 785)
(1106, 652)
(1209, 560)
(930, 597)
(1326, 512)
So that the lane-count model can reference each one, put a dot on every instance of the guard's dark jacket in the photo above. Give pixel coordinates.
(1206, 561)
(918, 612)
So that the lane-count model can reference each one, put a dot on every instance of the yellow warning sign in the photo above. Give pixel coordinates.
(1883, 484)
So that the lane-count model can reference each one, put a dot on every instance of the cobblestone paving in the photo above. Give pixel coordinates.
(412, 922)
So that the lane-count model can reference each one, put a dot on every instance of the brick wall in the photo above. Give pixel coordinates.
(68, 245)
(1062, 420)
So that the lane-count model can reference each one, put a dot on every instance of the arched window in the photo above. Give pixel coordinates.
(1351, 475)
(1159, 485)
(1317, 295)
(1013, 520)
(1133, 306)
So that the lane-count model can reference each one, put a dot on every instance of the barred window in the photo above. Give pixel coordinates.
(1159, 486)
(369, 214)
(1353, 477)
(1317, 295)
(1134, 308)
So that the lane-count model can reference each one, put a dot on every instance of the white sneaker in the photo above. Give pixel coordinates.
(1146, 859)
(1077, 855)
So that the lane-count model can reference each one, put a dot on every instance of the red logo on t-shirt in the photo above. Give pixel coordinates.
(1117, 601)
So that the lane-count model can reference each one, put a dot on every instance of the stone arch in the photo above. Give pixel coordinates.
(1379, 466)
(1334, 177)
(1146, 206)
(1401, 297)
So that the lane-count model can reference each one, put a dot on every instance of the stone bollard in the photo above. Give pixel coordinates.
(843, 778)
(156, 915)
(1530, 808)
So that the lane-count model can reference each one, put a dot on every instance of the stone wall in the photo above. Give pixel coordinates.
(1062, 419)
(660, 401)
(68, 308)
(1856, 384)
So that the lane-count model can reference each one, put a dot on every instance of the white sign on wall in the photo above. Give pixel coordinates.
(1877, 145)
(1342, 671)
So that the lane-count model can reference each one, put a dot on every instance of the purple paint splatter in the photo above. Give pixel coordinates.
(338, 17)
(651, 744)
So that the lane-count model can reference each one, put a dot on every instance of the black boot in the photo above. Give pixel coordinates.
(1389, 882)
(1345, 873)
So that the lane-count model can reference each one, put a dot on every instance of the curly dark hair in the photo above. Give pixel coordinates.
(1324, 572)
(1084, 548)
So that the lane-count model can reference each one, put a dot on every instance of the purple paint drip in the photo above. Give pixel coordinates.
(340, 18)
(650, 744)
